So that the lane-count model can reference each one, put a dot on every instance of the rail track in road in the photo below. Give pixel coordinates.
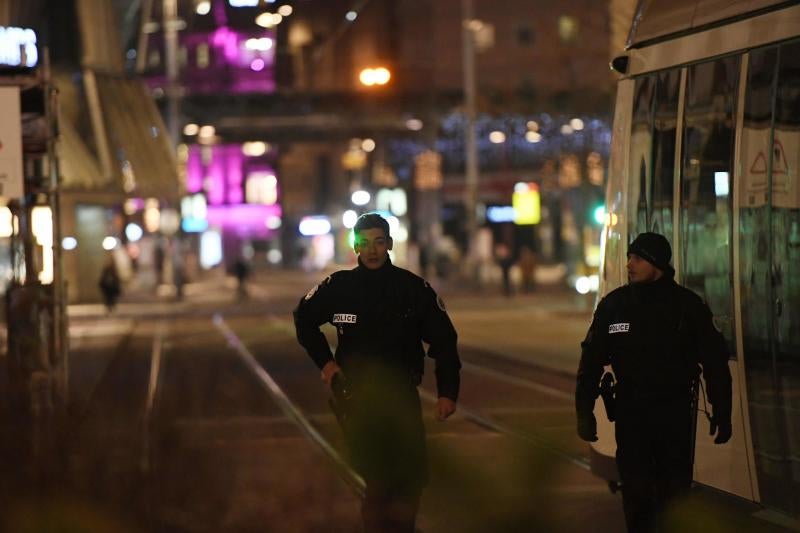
(472, 415)
(206, 448)
(509, 413)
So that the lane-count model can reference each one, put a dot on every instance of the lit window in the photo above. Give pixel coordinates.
(568, 28)
(261, 188)
(6, 222)
(203, 58)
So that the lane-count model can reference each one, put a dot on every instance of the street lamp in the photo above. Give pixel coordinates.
(268, 20)
(374, 76)
(360, 197)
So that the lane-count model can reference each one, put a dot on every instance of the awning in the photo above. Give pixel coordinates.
(141, 155)
(78, 167)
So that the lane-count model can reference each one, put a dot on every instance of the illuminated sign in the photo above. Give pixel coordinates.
(318, 225)
(243, 3)
(393, 200)
(527, 204)
(194, 212)
(18, 47)
(721, 187)
(500, 213)
(42, 224)
(210, 249)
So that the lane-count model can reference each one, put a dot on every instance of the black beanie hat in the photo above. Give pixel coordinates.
(654, 249)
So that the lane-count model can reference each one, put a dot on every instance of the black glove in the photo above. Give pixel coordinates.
(722, 427)
(587, 427)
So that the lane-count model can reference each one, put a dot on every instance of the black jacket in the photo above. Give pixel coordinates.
(654, 335)
(381, 318)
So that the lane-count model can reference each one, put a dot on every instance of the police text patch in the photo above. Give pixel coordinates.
(620, 327)
(342, 318)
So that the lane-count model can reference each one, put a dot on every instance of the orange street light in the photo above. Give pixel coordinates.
(374, 76)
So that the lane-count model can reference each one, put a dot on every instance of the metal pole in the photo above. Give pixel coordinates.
(141, 51)
(470, 90)
(171, 22)
(60, 318)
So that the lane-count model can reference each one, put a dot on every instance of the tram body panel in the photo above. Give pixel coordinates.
(726, 467)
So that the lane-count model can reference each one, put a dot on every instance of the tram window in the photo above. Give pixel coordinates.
(754, 226)
(641, 154)
(769, 264)
(706, 224)
(652, 163)
(664, 130)
(754, 267)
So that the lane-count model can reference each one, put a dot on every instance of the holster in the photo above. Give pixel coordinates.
(340, 399)
(607, 386)
(338, 411)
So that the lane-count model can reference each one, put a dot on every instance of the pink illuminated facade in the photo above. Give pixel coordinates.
(222, 52)
(221, 173)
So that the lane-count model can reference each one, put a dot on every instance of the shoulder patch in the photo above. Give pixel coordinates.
(310, 294)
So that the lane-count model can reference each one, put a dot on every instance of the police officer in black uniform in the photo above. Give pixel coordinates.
(382, 315)
(656, 335)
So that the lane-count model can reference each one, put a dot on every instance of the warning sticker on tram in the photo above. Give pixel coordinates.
(779, 165)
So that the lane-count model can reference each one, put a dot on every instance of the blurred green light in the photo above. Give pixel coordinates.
(600, 214)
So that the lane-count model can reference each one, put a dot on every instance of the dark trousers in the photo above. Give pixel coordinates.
(390, 510)
(654, 457)
(386, 439)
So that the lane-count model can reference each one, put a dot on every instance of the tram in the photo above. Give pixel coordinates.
(706, 150)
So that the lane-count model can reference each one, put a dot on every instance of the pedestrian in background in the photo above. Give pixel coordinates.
(657, 336)
(527, 268)
(382, 315)
(505, 260)
(242, 271)
(110, 284)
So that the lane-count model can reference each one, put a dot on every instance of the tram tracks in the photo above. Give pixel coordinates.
(172, 416)
(476, 417)
(289, 408)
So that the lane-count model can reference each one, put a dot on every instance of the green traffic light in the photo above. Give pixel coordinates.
(600, 214)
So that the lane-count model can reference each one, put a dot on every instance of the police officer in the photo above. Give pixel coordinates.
(382, 315)
(655, 334)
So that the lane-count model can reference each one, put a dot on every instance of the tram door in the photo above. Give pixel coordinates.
(769, 269)
(706, 230)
